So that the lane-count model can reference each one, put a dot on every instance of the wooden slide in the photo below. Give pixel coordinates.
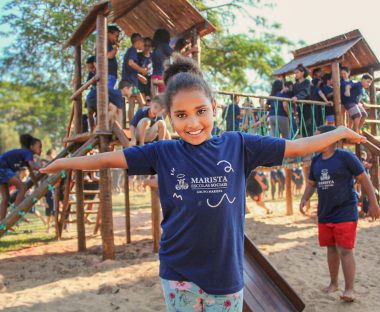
(265, 289)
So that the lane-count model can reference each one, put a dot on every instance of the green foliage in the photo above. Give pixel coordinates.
(227, 57)
(27, 109)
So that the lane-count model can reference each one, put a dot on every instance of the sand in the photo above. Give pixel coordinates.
(53, 277)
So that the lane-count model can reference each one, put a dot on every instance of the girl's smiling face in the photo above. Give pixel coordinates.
(192, 116)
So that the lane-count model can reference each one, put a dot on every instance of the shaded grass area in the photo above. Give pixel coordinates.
(35, 233)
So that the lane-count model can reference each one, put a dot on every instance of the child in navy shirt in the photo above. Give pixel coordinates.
(332, 173)
(202, 180)
(278, 111)
(148, 124)
(130, 71)
(325, 93)
(354, 92)
(232, 115)
(10, 163)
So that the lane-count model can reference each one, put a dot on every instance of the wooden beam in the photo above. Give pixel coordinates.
(156, 218)
(105, 197)
(127, 208)
(78, 173)
(336, 93)
(196, 42)
(81, 89)
(102, 72)
(120, 134)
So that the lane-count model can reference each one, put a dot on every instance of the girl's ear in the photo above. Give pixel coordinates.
(214, 108)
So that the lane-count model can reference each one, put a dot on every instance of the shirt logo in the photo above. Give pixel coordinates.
(325, 181)
(325, 175)
(181, 183)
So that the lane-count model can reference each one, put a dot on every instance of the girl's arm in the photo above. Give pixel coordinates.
(373, 210)
(33, 166)
(100, 161)
(309, 191)
(316, 143)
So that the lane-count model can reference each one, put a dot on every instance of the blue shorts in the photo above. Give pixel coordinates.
(49, 211)
(188, 297)
(6, 174)
(114, 97)
(330, 118)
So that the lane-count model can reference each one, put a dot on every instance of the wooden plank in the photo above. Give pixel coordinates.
(156, 218)
(39, 191)
(83, 88)
(73, 202)
(120, 134)
(265, 289)
(127, 208)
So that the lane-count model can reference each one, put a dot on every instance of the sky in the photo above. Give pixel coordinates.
(309, 20)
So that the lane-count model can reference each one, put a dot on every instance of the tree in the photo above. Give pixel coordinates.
(226, 57)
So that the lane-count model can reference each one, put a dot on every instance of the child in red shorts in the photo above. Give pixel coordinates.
(332, 173)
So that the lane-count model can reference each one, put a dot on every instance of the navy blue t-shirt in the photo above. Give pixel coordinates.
(128, 73)
(230, 114)
(112, 63)
(146, 62)
(276, 106)
(202, 192)
(343, 84)
(160, 54)
(356, 92)
(337, 199)
(16, 158)
(143, 113)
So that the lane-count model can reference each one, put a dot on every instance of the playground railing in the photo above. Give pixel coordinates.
(304, 116)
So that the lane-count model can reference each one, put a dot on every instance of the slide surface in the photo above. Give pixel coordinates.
(264, 288)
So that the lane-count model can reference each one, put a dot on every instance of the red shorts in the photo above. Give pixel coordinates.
(342, 234)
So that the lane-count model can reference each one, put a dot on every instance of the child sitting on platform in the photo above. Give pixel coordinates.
(354, 107)
(202, 180)
(148, 124)
(332, 173)
(10, 163)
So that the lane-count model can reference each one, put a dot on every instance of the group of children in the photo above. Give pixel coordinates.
(287, 120)
(141, 82)
(202, 180)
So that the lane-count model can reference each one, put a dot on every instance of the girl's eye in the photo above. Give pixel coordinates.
(181, 116)
(202, 111)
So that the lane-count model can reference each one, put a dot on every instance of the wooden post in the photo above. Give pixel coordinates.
(288, 192)
(372, 114)
(336, 86)
(102, 72)
(127, 208)
(81, 230)
(156, 218)
(126, 189)
(103, 125)
(196, 42)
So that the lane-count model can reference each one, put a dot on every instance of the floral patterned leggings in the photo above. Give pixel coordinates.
(188, 297)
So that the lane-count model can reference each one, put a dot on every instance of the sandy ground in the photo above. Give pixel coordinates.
(54, 277)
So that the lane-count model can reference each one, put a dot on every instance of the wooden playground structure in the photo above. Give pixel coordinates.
(264, 286)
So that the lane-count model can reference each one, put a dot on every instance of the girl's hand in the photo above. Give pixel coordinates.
(352, 136)
(51, 168)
